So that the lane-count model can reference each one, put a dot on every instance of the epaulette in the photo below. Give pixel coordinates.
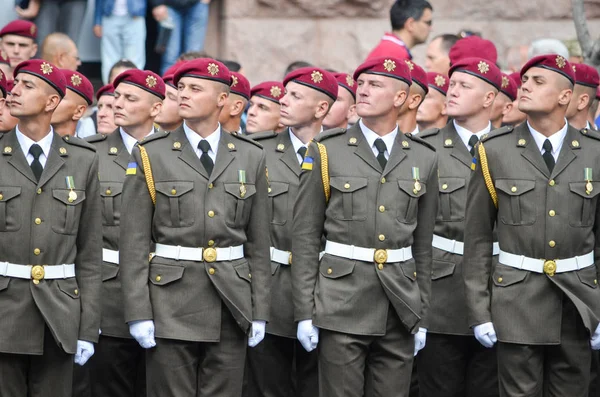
(247, 139)
(497, 132)
(591, 133)
(153, 137)
(72, 140)
(96, 138)
(429, 132)
(419, 140)
(263, 135)
(330, 133)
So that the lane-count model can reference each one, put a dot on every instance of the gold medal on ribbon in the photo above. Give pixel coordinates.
(242, 180)
(588, 178)
(415, 175)
(71, 185)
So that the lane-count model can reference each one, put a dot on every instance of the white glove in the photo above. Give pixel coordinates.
(595, 341)
(143, 332)
(420, 338)
(257, 333)
(85, 350)
(485, 334)
(308, 335)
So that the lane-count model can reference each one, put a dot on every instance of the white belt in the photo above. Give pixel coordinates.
(368, 254)
(37, 272)
(546, 266)
(281, 257)
(110, 256)
(178, 252)
(456, 247)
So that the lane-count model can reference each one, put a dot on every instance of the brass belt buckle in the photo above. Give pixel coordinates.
(290, 259)
(209, 255)
(550, 268)
(37, 273)
(381, 256)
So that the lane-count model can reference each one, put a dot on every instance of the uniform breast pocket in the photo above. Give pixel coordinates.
(582, 204)
(408, 200)
(175, 203)
(67, 210)
(10, 208)
(348, 198)
(111, 202)
(453, 197)
(238, 204)
(517, 204)
(278, 202)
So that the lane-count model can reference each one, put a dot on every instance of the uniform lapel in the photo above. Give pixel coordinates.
(116, 140)
(530, 150)
(188, 153)
(54, 161)
(224, 154)
(17, 158)
(397, 154)
(459, 150)
(288, 154)
(363, 150)
(567, 152)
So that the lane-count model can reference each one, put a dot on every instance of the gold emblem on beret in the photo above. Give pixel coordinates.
(46, 68)
(316, 76)
(281, 147)
(234, 81)
(151, 81)
(521, 142)
(62, 150)
(32, 29)
(230, 146)
(505, 82)
(560, 61)
(440, 81)
(113, 150)
(75, 80)
(7, 150)
(176, 145)
(352, 141)
(349, 80)
(275, 91)
(389, 65)
(213, 69)
(411, 65)
(483, 67)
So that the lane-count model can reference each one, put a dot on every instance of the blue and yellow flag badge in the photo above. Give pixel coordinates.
(131, 168)
(474, 164)
(307, 164)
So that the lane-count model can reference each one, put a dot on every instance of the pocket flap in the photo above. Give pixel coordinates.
(408, 186)
(243, 271)
(441, 269)
(514, 187)
(69, 287)
(277, 188)
(588, 276)
(63, 196)
(109, 271)
(348, 184)
(234, 190)
(161, 274)
(449, 185)
(337, 268)
(580, 189)
(506, 275)
(110, 189)
(274, 267)
(9, 192)
(175, 188)
(409, 269)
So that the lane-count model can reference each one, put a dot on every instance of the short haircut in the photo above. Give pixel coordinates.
(296, 65)
(188, 56)
(233, 66)
(123, 63)
(403, 10)
(548, 46)
(447, 41)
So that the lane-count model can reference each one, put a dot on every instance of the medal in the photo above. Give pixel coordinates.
(588, 178)
(415, 175)
(242, 180)
(71, 185)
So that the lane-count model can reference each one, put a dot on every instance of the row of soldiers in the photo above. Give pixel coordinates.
(195, 260)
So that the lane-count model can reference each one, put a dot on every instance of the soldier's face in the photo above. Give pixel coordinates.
(170, 110)
(18, 48)
(7, 121)
(542, 91)
(71, 106)
(467, 95)
(341, 110)
(379, 95)
(200, 98)
(432, 108)
(437, 59)
(501, 106)
(299, 105)
(32, 96)
(132, 106)
(105, 116)
(263, 115)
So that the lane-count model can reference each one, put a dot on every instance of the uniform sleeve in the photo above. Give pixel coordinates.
(479, 237)
(135, 238)
(88, 260)
(307, 230)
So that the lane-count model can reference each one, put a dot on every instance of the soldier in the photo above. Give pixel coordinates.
(17, 40)
(231, 116)
(453, 363)
(370, 186)
(50, 251)
(105, 116)
(7, 121)
(504, 101)
(270, 365)
(407, 119)
(536, 184)
(264, 107)
(168, 119)
(515, 116)
(344, 107)
(584, 93)
(200, 194)
(79, 95)
(432, 112)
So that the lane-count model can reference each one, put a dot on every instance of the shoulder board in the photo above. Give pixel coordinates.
(72, 140)
(96, 138)
(429, 132)
(330, 133)
(247, 139)
(153, 137)
(419, 140)
(263, 135)
(498, 132)
(591, 133)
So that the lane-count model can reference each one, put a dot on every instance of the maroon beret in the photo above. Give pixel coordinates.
(271, 90)
(240, 85)
(390, 67)
(418, 75)
(509, 88)
(479, 67)
(316, 78)
(108, 89)
(45, 71)
(79, 84)
(3, 84)
(144, 79)
(170, 73)
(203, 68)
(586, 75)
(346, 81)
(553, 62)
(467, 47)
(4, 58)
(438, 82)
(20, 27)
(516, 78)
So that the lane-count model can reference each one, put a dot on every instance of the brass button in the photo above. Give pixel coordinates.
(551, 213)
(210, 185)
(1, 196)
(270, 190)
(39, 191)
(499, 279)
(380, 266)
(158, 278)
(415, 274)
(381, 237)
(552, 243)
(76, 292)
(173, 191)
(513, 189)
(382, 180)
(108, 192)
(347, 186)
(249, 275)
(381, 208)
(38, 221)
(329, 271)
(444, 186)
(552, 183)
(211, 243)
(37, 251)
(595, 281)
(211, 271)
(211, 214)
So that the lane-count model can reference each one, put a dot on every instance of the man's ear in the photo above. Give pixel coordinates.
(79, 112)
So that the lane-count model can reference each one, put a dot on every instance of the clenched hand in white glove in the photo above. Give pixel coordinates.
(85, 350)
(308, 335)
(257, 333)
(420, 338)
(486, 334)
(595, 341)
(143, 332)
